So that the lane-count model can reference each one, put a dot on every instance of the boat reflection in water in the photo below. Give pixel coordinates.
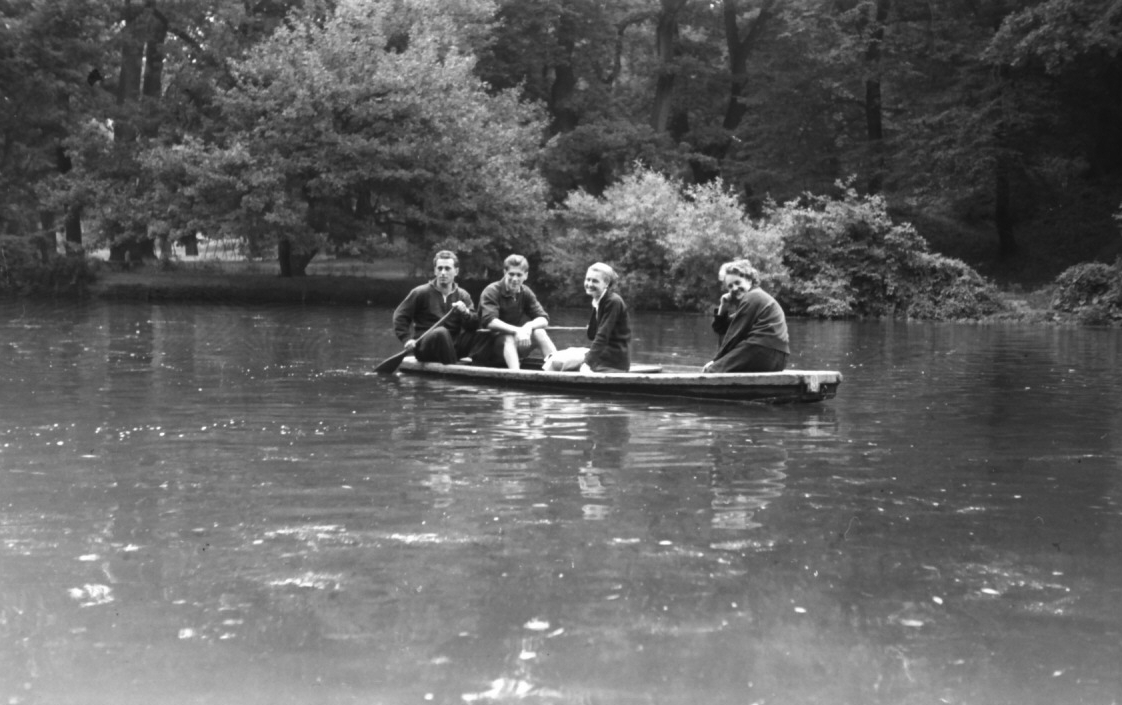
(614, 523)
(222, 504)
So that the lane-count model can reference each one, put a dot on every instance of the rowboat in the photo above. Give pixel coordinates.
(787, 387)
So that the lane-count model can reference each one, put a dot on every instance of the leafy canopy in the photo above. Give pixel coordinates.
(365, 121)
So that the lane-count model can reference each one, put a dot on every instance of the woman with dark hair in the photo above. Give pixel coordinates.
(750, 322)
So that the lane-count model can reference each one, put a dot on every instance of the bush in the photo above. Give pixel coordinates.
(30, 266)
(665, 240)
(1092, 291)
(820, 256)
(845, 257)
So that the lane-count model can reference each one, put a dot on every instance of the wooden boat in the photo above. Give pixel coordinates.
(789, 386)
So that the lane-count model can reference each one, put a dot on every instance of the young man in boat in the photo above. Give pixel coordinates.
(511, 320)
(415, 317)
(751, 324)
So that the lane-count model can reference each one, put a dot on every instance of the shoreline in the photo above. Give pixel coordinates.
(387, 290)
(248, 287)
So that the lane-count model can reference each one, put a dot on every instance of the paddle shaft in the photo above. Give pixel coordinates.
(390, 364)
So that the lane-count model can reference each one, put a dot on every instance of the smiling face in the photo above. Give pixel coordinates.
(737, 286)
(595, 284)
(445, 271)
(513, 278)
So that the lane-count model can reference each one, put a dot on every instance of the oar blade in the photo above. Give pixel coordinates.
(390, 364)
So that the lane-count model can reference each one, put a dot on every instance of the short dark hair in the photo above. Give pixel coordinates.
(516, 261)
(446, 254)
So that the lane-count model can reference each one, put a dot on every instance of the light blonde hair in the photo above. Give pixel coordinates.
(607, 271)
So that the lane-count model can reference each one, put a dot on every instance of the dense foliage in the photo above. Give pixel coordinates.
(396, 126)
(31, 266)
(1092, 291)
(664, 239)
(846, 257)
(829, 257)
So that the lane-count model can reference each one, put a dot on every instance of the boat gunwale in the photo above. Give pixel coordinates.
(653, 380)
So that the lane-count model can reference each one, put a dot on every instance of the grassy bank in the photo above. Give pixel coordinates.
(385, 289)
(220, 287)
(345, 282)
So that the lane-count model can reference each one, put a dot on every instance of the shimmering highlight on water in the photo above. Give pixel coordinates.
(223, 505)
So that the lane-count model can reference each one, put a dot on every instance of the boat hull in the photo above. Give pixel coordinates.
(787, 387)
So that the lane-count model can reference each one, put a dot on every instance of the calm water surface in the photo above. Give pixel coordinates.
(207, 504)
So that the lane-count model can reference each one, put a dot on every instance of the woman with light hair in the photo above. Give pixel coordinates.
(609, 328)
(751, 324)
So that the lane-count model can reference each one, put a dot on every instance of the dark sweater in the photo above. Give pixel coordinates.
(425, 305)
(609, 329)
(758, 320)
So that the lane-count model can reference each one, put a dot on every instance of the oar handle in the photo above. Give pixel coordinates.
(390, 364)
(434, 325)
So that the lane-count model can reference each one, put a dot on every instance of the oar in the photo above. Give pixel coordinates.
(390, 364)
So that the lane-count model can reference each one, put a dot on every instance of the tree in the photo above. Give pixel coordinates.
(367, 120)
(1080, 44)
(47, 55)
(588, 62)
(148, 74)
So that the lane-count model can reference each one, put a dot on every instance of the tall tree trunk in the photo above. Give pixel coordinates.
(1002, 212)
(152, 85)
(128, 91)
(739, 49)
(47, 239)
(132, 65)
(666, 44)
(874, 107)
(284, 257)
(190, 245)
(564, 76)
(292, 264)
(153, 82)
(142, 62)
(74, 225)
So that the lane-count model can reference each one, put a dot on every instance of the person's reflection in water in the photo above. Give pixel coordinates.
(440, 483)
(523, 416)
(608, 436)
(744, 480)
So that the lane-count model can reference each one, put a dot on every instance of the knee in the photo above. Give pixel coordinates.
(540, 337)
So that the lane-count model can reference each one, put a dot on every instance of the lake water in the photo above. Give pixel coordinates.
(221, 504)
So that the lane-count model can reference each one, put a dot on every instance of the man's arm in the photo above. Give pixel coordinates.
(469, 320)
(403, 317)
(501, 326)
